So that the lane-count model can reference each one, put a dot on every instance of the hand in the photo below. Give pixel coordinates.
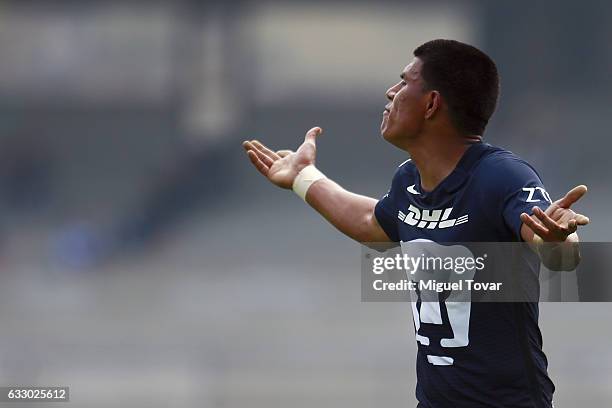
(558, 222)
(283, 166)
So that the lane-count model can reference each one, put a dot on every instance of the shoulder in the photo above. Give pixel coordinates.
(503, 170)
(505, 161)
(404, 173)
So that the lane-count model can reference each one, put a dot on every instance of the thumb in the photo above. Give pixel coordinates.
(312, 134)
(572, 196)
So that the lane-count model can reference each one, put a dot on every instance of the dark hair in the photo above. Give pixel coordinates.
(466, 78)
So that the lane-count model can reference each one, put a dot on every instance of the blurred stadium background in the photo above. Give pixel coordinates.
(143, 262)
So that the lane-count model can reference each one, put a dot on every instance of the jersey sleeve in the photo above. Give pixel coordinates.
(386, 209)
(523, 190)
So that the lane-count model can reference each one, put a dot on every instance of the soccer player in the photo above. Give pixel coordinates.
(437, 113)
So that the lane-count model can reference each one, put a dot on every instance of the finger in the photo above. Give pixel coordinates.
(312, 134)
(250, 147)
(283, 153)
(554, 211)
(547, 221)
(259, 165)
(262, 148)
(572, 226)
(536, 227)
(572, 196)
(581, 219)
(247, 145)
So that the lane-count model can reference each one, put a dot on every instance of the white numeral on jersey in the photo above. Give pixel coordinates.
(532, 190)
(458, 309)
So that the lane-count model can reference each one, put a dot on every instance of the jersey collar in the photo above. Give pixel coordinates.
(454, 181)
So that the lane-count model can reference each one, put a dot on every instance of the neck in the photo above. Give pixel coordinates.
(437, 156)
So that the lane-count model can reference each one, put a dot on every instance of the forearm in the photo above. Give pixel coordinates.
(352, 214)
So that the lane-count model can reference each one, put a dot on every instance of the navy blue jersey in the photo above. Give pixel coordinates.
(501, 363)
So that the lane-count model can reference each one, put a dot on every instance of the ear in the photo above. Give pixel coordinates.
(434, 103)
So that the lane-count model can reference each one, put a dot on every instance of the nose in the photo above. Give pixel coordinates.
(391, 92)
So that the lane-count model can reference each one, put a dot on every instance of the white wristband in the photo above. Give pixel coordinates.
(305, 178)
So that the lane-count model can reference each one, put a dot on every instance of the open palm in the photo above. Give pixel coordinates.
(281, 167)
(559, 222)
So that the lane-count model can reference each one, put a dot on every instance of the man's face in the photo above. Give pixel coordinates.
(404, 115)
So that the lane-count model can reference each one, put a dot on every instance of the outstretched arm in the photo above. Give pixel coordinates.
(352, 214)
(552, 233)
